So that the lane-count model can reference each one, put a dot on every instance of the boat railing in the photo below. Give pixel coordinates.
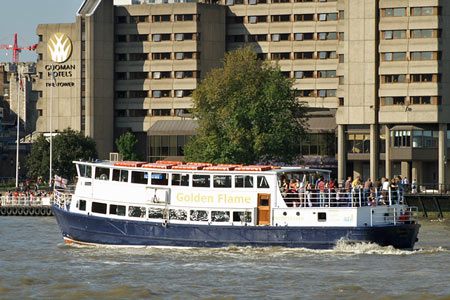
(62, 198)
(25, 200)
(394, 215)
(342, 198)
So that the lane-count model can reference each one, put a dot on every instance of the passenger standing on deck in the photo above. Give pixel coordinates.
(348, 189)
(301, 191)
(308, 188)
(377, 188)
(385, 190)
(321, 188)
(366, 190)
(332, 189)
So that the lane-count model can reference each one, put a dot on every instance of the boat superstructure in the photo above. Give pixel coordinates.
(201, 204)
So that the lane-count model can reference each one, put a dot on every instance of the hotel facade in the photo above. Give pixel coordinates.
(374, 74)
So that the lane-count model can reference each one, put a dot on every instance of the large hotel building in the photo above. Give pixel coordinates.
(374, 73)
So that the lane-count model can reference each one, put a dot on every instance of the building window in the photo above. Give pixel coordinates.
(121, 75)
(424, 77)
(323, 144)
(425, 33)
(326, 74)
(394, 56)
(281, 18)
(138, 94)
(398, 78)
(304, 74)
(160, 112)
(394, 34)
(425, 11)
(121, 94)
(435, 100)
(186, 17)
(326, 54)
(392, 100)
(303, 17)
(401, 138)
(257, 38)
(138, 75)
(358, 143)
(138, 19)
(393, 12)
(326, 93)
(161, 18)
(161, 56)
(341, 102)
(281, 56)
(425, 55)
(121, 20)
(305, 93)
(121, 57)
(138, 37)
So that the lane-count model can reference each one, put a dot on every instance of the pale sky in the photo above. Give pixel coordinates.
(23, 16)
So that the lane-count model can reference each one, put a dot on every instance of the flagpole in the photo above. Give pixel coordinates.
(18, 128)
(51, 129)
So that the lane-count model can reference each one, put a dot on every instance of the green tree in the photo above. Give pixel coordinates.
(126, 144)
(69, 145)
(247, 113)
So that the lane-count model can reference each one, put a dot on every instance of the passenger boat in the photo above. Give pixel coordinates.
(204, 205)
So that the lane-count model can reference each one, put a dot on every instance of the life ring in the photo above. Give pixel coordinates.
(404, 217)
(20, 211)
(9, 211)
(3, 211)
(26, 211)
(32, 211)
(14, 211)
(49, 211)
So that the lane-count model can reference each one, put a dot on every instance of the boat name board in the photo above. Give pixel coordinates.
(214, 200)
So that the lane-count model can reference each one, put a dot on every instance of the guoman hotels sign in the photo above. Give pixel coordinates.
(59, 48)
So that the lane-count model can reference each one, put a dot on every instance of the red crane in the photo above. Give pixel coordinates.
(16, 49)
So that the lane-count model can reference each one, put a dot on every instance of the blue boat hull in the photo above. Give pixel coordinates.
(99, 230)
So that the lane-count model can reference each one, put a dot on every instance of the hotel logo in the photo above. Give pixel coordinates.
(59, 47)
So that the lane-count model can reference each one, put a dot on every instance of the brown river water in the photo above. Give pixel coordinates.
(36, 264)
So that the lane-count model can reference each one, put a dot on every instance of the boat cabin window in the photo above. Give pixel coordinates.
(117, 210)
(243, 181)
(155, 213)
(177, 214)
(136, 211)
(102, 173)
(81, 205)
(201, 180)
(120, 175)
(262, 182)
(220, 216)
(99, 208)
(222, 181)
(322, 217)
(85, 171)
(160, 178)
(242, 216)
(199, 215)
(139, 177)
(180, 179)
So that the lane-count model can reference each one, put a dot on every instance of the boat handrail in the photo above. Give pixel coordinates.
(23, 200)
(342, 198)
(62, 197)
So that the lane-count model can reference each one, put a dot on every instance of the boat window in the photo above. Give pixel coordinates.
(322, 217)
(222, 181)
(177, 214)
(81, 204)
(155, 213)
(160, 178)
(117, 210)
(136, 211)
(180, 179)
(201, 181)
(85, 171)
(243, 181)
(199, 215)
(242, 216)
(120, 175)
(139, 177)
(99, 208)
(102, 173)
(262, 182)
(220, 216)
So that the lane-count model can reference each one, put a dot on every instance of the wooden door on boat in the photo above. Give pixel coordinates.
(263, 209)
